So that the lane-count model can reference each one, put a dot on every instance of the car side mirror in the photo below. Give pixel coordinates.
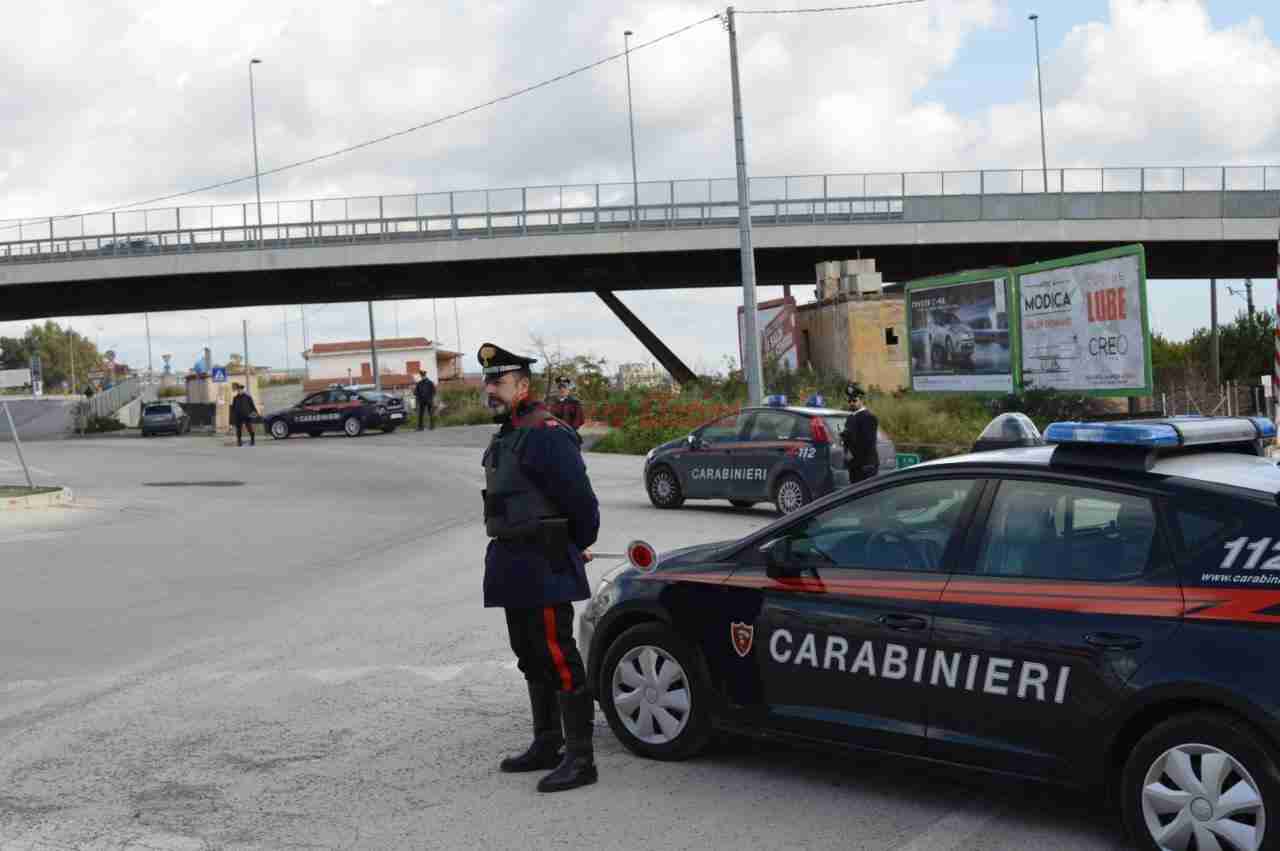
(694, 441)
(777, 558)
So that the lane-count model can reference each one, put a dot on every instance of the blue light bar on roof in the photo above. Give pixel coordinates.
(1167, 433)
(1266, 428)
(1115, 434)
(776, 401)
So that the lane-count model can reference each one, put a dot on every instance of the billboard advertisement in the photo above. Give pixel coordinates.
(776, 324)
(960, 334)
(14, 378)
(1083, 323)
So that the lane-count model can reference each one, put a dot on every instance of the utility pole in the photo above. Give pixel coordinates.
(1248, 294)
(1044, 162)
(146, 317)
(1215, 352)
(631, 119)
(373, 347)
(306, 343)
(71, 338)
(751, 338)
(248, 386)
(457, 326)
(253, 117)
(285, 312)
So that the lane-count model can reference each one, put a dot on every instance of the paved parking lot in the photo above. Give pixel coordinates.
(284, 646)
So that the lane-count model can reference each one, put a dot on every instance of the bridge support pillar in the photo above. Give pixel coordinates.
(670, 362)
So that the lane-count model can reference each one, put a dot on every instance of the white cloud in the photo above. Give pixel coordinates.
(117, 100)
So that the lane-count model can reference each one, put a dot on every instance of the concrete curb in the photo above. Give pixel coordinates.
(53, 499)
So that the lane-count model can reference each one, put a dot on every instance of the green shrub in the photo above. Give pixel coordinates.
(470, 415)
(98, 425)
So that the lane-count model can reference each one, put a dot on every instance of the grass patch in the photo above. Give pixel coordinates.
(11, 491)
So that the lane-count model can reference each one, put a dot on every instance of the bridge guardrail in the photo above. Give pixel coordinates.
(1005, 195)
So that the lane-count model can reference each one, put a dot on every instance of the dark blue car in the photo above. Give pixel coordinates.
(785, 455)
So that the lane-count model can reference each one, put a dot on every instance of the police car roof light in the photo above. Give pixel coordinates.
(776, 401)
(1168, 433)
(642, 556)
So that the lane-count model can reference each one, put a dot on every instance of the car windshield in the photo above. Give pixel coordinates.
(944, 317)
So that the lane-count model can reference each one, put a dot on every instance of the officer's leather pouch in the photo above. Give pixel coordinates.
(553, 535)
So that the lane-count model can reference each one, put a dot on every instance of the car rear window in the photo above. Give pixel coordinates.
(158, 409)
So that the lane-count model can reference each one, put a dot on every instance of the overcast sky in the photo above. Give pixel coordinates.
(116, 101)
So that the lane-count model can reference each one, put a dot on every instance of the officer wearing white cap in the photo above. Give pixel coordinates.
(542, 515)
(859, 437)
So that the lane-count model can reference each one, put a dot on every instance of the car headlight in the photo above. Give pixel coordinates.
(649, 457)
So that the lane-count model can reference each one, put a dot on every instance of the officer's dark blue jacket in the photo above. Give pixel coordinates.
(518, 574)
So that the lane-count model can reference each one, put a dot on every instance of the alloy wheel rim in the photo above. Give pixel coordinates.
(1200, 792)
(279, 429)
(352, 427)
(663, 487)
(651, 695)
(790, 496)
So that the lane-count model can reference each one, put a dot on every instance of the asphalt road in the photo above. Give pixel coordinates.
(285, 647)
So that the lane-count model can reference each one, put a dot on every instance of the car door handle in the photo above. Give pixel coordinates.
(1113, 640)
(902, 622)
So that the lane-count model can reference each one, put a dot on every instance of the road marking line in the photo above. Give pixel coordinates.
(13, 466)
(952, 830)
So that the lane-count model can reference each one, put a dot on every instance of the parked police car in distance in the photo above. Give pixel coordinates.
(777, 453)
(1103, 611)
(338, 409)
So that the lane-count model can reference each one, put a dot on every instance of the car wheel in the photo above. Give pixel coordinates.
(279, 429)
(742, 503)
(352, 426)
(653, 693)
(1202, 780)
(664, 488)
(388, 429)
(790, 494)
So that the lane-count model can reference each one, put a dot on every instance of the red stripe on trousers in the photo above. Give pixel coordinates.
(557, 656)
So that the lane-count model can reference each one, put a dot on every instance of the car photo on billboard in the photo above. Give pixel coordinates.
(959, 334)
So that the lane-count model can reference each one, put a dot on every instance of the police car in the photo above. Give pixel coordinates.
(1101, 611)
(337, 408)
(776, 453)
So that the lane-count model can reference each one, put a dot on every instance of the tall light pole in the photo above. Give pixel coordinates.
(146, 317)
(1044, 161)
(631, 119)
(751, 340)
(253, 119)
(373, 348)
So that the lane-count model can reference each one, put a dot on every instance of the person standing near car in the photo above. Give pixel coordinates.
(424, 392)
(243, 410)
(541, 515)
(861, 429)
(567, 407)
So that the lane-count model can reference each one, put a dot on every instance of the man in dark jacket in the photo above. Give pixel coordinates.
(861, 429)
(425, 394)
(542, 515)
(567, 407)
(242, 413)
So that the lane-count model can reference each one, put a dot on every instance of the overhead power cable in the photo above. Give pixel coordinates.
(582, 69)
(826, 8)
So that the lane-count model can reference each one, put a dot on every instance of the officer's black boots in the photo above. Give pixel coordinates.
(544, 753)
(578, 768)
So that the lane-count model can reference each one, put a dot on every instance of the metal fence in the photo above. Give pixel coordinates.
(999, 195)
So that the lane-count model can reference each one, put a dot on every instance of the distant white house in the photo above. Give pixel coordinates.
(399, 360)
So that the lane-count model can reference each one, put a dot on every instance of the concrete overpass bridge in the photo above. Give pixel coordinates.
(1194, 222)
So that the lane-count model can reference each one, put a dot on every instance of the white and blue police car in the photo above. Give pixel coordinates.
(1102, 611)
(786, 455)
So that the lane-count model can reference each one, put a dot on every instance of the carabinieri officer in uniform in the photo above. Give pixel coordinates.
(542, 515)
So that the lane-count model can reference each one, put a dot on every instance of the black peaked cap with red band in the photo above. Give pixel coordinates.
(496, 361)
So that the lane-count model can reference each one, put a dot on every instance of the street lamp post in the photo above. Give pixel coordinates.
(631, 119)
(253, 119)
(1044, 162)
(751, 367)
